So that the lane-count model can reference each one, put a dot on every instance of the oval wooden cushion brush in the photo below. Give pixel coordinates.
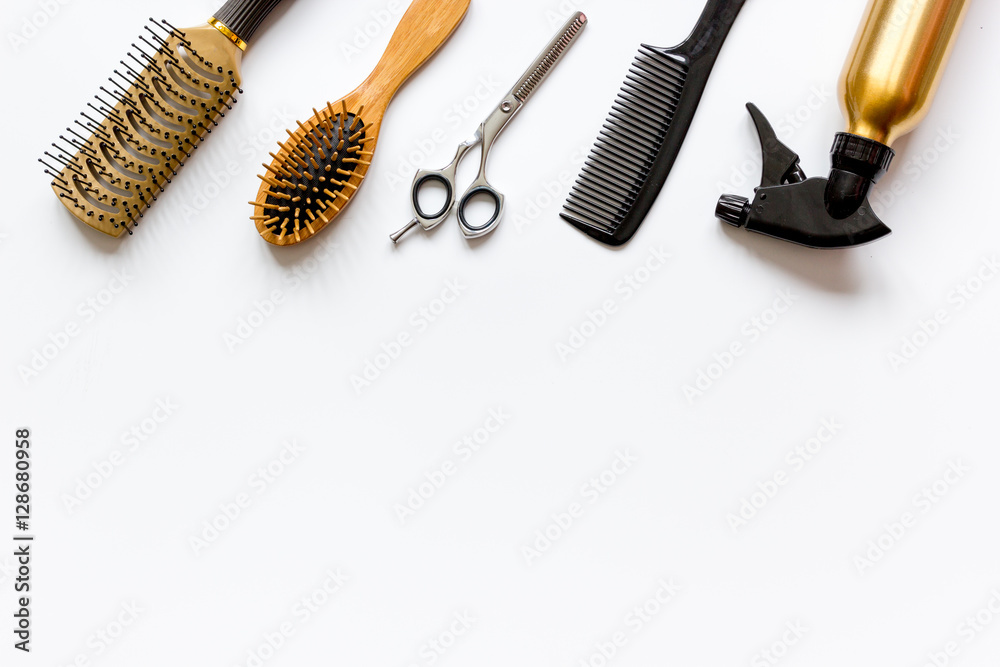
(318, 170)
(161, 103)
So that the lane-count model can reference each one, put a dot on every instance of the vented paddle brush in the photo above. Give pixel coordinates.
(318, 170)
(886, 90)
(161, 103)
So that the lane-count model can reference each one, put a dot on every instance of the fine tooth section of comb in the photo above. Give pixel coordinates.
(140, 129)
(314, 175)
(629, 143)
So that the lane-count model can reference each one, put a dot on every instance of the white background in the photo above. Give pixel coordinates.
(196, 272)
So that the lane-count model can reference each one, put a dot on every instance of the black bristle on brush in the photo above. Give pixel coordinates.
(645, 130)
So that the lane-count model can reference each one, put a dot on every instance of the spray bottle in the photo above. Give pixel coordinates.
(887, 88)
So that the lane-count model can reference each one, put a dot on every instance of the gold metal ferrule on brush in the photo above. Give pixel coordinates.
(896, 65)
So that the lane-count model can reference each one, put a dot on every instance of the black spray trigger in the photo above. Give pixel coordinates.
(814, 212)
(781, 163)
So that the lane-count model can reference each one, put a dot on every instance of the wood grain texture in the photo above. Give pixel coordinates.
(424, 28)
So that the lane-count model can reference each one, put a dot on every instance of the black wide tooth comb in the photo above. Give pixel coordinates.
(644, 132)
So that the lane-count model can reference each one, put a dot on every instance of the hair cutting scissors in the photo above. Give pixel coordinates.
(486, 136)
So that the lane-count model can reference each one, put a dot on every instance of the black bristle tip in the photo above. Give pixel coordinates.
(125, 128)
(306, 189)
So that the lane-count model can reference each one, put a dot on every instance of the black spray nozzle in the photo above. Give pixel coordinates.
(858, 163)
(814, 212)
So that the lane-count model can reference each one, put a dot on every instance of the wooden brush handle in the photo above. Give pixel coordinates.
(426, 25)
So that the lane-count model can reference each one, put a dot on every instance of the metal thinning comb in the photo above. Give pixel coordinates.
(541, 68)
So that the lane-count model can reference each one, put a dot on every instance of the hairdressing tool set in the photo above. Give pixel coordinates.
(485, 136)
(319, 170)
(886, 90)
(639, 144)
(168, 95)
(177, 84)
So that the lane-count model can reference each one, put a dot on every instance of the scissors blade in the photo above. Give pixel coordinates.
(548, 58)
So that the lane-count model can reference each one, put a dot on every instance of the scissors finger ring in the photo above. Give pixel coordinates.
(486, 136)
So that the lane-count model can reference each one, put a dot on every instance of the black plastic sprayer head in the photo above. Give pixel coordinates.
(829, 212)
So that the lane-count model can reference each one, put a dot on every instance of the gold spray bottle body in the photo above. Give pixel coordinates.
(896, 64)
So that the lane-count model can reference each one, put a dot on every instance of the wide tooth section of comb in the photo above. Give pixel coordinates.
(128, 144)
(628, 144)
(314, 176)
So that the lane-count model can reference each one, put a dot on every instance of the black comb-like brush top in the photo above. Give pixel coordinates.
(644, 132)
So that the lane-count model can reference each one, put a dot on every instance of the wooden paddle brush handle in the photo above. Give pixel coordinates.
(426, 25)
